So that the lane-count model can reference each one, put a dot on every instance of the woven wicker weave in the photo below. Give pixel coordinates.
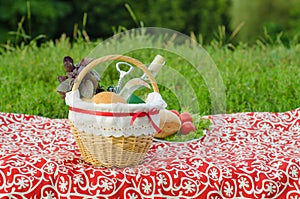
(112, 151)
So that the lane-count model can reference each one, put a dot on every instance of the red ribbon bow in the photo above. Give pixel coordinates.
(111, 114)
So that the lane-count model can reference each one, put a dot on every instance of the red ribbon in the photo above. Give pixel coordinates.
(112, 114)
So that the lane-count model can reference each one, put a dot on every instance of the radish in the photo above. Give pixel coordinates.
(187, 127)
(185, 116)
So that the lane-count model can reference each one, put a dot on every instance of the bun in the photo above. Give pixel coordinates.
(169, 124)
(107, 98)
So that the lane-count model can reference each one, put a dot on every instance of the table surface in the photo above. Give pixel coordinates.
(244, 155)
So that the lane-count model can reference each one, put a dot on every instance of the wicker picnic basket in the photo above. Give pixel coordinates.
(107, 145)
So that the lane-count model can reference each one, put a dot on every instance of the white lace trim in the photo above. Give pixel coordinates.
(115, 125)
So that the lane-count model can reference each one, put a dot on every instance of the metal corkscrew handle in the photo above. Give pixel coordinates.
(122, 74)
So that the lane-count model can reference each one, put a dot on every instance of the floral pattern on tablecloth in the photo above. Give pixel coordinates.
(244, 155)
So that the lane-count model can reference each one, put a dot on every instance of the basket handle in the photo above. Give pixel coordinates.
(128, 59)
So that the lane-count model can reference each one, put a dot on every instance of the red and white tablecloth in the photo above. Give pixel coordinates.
(244, 155)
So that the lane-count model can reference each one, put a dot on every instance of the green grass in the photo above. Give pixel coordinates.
(258, 78)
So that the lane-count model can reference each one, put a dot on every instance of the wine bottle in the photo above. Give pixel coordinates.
(136, 83)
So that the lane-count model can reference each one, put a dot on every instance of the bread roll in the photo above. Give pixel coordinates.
(107, 98)
(169, 124)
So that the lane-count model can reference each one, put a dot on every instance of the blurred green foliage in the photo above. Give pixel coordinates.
(186, 16)
(55, 17)
(35, 17)
(26, 19)
(261, 18)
